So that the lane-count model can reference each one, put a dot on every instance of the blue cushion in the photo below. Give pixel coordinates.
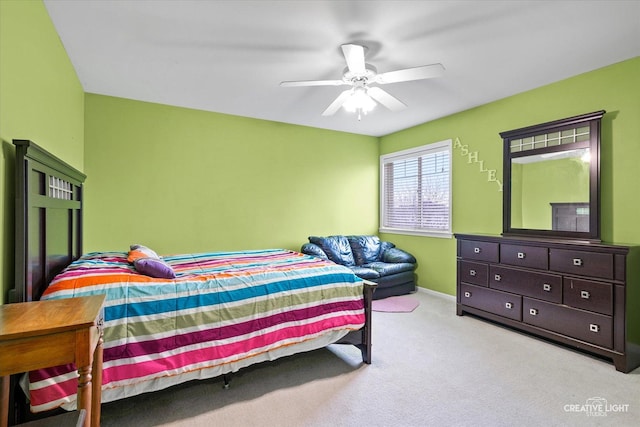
(337, 249)
(365, 249)
(386, 269)
(398, 255)
(384, 247)
(313, 249)
(365, 273)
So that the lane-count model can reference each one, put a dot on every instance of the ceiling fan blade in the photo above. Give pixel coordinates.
(354, 55)
(384, 98)
(313, 83)
(408, 74)
(337, 103)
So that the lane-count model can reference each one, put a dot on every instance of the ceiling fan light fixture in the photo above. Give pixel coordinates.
(359, 102)
(362, 98)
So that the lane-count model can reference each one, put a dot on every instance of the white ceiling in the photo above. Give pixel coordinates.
(230, 56)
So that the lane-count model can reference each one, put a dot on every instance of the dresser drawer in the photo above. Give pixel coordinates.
(481, 251)
(588, 295)
(497, 302)
(543, 286)
(579, 324)
(583, 263)
(473, 272)
(525, 256)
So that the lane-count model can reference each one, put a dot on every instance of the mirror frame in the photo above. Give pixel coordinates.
(593, 120)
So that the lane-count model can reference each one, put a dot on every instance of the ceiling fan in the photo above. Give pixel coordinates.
(362, 96)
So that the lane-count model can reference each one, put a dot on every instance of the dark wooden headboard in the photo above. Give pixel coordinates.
(48, 219)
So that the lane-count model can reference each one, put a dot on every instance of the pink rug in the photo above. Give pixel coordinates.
(400, 304)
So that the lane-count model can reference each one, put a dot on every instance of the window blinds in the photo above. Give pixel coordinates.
(416, 190)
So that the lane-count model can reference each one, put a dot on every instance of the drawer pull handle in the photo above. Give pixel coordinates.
(472, 273)
(585, 294)
(476, 250)
(497, 277)
(467, 294)
(577, 262)
(508, 306)
(546, 287)
(521, 255)
(533, 311)
(594, 328)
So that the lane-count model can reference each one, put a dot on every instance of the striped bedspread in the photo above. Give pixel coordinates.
(222, 312)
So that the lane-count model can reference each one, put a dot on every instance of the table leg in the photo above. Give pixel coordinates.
(4, 400)
(96, 384)
(84, 392)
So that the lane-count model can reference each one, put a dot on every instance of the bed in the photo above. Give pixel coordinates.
(203, 315)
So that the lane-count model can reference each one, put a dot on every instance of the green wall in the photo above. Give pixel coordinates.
(41, 99)
(477, 202)
(182, 180)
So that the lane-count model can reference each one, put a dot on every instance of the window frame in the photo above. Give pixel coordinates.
(412, 153)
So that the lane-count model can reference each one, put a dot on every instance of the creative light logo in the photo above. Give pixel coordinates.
(596, 407)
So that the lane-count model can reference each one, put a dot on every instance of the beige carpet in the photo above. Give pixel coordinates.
(430, 368)
(396, 304)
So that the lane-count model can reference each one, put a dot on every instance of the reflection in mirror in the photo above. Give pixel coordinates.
(551, 178)
(551, 191)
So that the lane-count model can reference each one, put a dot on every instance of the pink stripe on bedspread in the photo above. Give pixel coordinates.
(213, 355)
(229, 331)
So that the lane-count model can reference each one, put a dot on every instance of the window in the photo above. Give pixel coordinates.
(415, 188)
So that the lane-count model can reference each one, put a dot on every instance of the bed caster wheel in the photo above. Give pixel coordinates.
(227, 381)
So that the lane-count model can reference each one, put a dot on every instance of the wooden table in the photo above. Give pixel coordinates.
(41, 334)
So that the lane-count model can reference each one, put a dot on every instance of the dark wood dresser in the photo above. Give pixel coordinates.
(582, 294)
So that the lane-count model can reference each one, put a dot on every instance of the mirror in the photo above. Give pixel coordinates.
(551, 179)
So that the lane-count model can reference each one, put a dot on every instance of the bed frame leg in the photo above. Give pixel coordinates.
(227, 381)
(369, 289)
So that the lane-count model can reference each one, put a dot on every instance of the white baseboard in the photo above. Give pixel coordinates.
(436, 293)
